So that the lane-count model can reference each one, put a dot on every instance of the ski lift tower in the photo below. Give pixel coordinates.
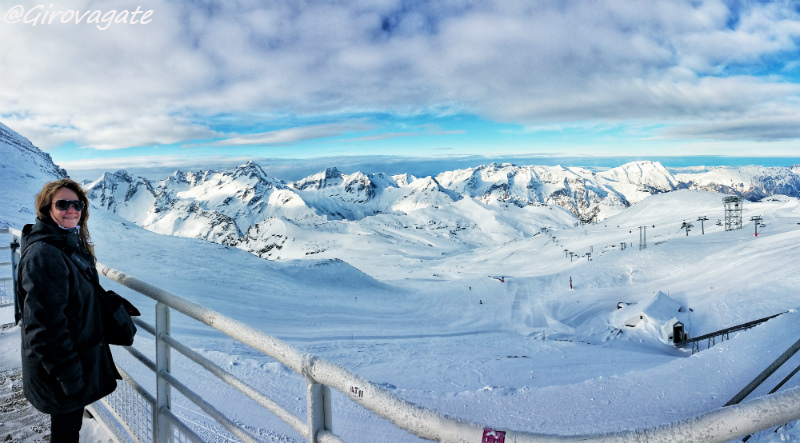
(733, 212)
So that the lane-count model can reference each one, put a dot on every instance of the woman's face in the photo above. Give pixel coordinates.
(69, 218)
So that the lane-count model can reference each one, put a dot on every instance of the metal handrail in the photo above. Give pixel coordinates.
(719, 425)
(726, 331)
(276, 349)
(14, 247)
(241, 386)
(762, 377)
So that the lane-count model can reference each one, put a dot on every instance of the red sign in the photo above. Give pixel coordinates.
(492, 436)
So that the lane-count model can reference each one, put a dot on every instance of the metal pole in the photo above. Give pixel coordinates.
(15, 257)
(702, 225)
(319, 410)
(783, 382)
(161, 425)
(642, 237)
(757, 219)
(764, 374)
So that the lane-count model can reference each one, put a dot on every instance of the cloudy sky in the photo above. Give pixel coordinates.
(174, 83)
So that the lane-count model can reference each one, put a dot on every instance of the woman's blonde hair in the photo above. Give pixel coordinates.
(45, 199)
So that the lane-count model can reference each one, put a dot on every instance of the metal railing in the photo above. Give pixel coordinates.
(722, 334)
(6, 283)
(144, 417)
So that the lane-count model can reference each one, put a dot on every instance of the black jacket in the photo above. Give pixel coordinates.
(66, 363)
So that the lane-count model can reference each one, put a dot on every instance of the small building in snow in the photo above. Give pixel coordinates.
(659, 312)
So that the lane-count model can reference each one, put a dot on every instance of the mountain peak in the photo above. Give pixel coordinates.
(250, 170)
(643, 173)
(121, 175)
(320, 180)
(332, 173)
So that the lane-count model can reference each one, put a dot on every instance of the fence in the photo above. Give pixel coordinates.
(134, 414)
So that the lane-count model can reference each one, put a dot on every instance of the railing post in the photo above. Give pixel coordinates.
(318, 398)
(161, 426)
(15, 254)
(319, 410)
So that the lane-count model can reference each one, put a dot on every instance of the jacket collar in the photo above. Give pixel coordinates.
(42, 230)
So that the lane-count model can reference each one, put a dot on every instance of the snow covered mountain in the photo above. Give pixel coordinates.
(215, 206)
(324, 212)
(751, 182)
(332, 211)
(275, 219)
(24, 169)
(578, 190)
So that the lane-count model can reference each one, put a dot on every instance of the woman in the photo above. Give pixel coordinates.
(66, 363)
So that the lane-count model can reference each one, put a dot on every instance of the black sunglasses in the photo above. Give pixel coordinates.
(63, 205)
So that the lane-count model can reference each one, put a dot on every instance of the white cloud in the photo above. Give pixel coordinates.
(535, 63)
(751, 127)
(291, 135)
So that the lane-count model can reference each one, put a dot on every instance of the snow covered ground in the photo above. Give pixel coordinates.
(525, 353)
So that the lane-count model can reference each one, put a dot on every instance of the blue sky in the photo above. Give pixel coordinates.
(206, 85)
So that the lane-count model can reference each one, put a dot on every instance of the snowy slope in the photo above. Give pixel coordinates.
(24, 169)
